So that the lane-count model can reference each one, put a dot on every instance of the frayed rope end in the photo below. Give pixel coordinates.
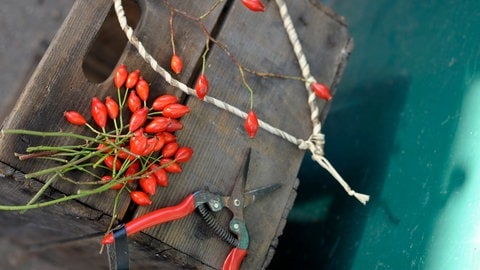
(363, 198)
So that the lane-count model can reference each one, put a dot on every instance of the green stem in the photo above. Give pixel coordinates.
(44, 187)
(70, 148)
(210, 10)
(59, 200)
(242, 75)
(115, 206)
(204, 55)
(63, 167)
(172, 13)
(49, 134)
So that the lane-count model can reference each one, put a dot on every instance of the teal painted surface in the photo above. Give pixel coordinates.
(405, 128)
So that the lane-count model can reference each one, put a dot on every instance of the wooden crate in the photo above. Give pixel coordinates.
(68, 76)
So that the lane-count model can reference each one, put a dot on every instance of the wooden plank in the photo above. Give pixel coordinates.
(59, 77)
(218, 137)
(66, 236)
(258, 41)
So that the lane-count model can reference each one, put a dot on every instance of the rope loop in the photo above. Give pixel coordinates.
(315, 144)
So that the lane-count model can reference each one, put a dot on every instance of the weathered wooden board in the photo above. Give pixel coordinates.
(59, 83)
(258, 41)
(66, 236)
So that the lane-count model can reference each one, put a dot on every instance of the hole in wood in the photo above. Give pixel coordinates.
(109, 44)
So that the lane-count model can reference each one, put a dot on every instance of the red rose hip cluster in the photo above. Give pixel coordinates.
(142, 151)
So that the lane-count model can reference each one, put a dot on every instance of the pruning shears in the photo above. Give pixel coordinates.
(235, 202)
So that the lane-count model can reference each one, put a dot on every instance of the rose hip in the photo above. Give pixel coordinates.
(162, 177)
(138, 118)
(140, 198)
(138, 142)
(169, 149)
(75, 118)
(148, 184)
(149, 146)
(174, 125)
(133, 101)
(108, 178)
(160, 174)
(321, 90)
(99, 112)
(159, 142)
(170, 165)
(143, 89)
(162, 101)
(176, 64)
(112, 107)
(111, 160)
(169, 137)
(120, 76)
(201, 86)
(183, 154)
(158, 124)
(175, 110)
(251, 124)
(132, 79)
(254, 5)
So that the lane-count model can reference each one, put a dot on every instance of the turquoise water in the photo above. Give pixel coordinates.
(405, 128)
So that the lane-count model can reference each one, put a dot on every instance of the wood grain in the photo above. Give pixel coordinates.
(258, 41)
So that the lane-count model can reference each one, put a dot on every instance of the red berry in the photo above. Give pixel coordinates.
(158, 124)
(75, 118)
(103, 147)
(141, 198)
(120, 76)
(108, 178)
(125, 155)
(169, 149)
(138, 142)
(159, 142)
(112, 107)
(170, 165)
(183, 154)
(321, 91)
(99, 112)
(175, 110)
(110, 160)
(143, 89)
(149, 146)
(201, 86)
(162, 177)
(162, 101)
(169, 137)
(251, 124)
(133, 101)
(160, 174)
(132, 169)
(132, 79)
(138, 118)
(174, 125)
(254, 5)
(176, 64)
(148, 184)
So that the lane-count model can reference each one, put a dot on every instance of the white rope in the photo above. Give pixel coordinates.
(314, 143)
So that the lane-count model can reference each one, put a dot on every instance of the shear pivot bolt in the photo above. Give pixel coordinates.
(214, 204)
(236, 202)
(236, 226)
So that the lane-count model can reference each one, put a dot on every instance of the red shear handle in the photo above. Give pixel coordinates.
(234, 259)
(186, 207)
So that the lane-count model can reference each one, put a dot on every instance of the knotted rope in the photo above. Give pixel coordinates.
(315, 143)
